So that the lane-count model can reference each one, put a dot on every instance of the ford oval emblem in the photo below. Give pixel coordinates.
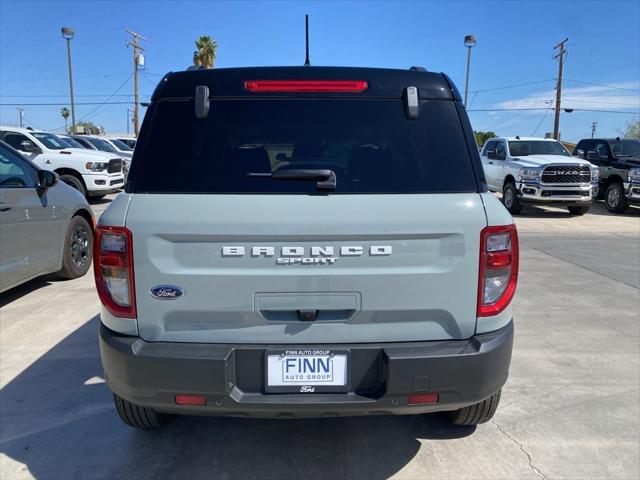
(166, 292)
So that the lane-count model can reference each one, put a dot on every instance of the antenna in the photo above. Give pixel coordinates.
(306, 32)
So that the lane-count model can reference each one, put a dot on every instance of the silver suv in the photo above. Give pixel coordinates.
(325, 245)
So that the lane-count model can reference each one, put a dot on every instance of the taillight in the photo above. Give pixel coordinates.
(354, 86)
(498, 269)
(113, 270)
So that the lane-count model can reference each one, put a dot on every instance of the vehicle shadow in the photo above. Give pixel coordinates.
(20, 291)
(99, 200)
(57, 419)
(597, 208)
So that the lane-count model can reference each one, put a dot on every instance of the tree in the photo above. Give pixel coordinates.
(632, 129)
(94, 129)
(64, 111)
(482, 137)
(205, 55)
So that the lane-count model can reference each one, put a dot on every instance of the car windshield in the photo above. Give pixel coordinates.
(71, 143)
(120, 145)
(522, 148)
(101, 144)
(370, 145)
(626, 148)
(51, 141)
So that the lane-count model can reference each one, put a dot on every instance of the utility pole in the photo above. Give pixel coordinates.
(593, 128)
(136, 52)
(560, 56)
(21, 114)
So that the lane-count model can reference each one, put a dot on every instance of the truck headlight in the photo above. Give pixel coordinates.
(530, 174)
(594, 173)
(96, 166)
(634, 175)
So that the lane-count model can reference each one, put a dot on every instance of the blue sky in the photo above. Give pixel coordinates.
(515, 46)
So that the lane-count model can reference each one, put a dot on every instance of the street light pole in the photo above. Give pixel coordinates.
(469, 42)
(67, 34)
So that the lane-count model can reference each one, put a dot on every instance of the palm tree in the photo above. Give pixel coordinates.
(206, 51)
(64, 111)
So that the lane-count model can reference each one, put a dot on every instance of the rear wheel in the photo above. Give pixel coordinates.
(74, 182)
(614, 198)
(139, 417)
(510, 198)
(578, 210)
(78, 249)
(477, 413)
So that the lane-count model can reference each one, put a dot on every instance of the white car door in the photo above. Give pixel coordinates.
(490, 165)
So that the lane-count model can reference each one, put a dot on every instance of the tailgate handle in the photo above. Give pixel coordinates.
(307, 307)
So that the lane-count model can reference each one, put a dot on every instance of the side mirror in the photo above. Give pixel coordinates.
(46, 180)
(592, 155)
(29, 147)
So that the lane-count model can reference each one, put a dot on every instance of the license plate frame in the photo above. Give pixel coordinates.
(300, 386)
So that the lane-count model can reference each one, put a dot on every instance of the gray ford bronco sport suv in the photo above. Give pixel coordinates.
(324, 245)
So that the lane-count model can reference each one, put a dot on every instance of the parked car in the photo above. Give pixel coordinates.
(104, 144)
(130, 141)
(45, 225)
(94, 174)
(327, 247)
(538, 171)
(618, 161)
(101, 144)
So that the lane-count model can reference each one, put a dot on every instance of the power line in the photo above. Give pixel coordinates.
(59, 78)
(541, 108)
(106, 101)
(57, 104)
(603, 85)
(512, 86)
(65, 95)
(579, 100)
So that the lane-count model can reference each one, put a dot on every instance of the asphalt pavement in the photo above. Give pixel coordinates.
(570, 409)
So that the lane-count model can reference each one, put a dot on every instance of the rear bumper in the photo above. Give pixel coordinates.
(231, 377)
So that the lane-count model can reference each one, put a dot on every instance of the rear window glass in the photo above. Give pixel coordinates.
(370, 145)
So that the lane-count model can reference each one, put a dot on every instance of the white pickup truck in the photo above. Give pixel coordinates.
(539, 171)
(92, 173)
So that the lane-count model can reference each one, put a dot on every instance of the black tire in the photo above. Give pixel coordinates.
(510, 199)
(477, 413)
(578, 210)
(78, 249)
(614, 198)
(139, 417)
(75, 182)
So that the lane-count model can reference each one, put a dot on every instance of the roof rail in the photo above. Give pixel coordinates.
(418, 69)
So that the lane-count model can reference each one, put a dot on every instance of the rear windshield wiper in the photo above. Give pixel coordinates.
(326, 178)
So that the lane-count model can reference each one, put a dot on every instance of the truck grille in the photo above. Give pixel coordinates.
(566, 174)
(115, 166)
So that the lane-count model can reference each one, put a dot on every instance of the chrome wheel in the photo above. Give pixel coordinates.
(79, 246)
(508, 198)
(613, 197)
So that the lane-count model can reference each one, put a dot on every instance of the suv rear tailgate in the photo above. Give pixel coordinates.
(425, 289)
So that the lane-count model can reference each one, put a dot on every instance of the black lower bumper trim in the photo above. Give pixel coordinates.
(231, 377)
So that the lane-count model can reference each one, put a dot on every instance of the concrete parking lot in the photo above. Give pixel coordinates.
(571, 408)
